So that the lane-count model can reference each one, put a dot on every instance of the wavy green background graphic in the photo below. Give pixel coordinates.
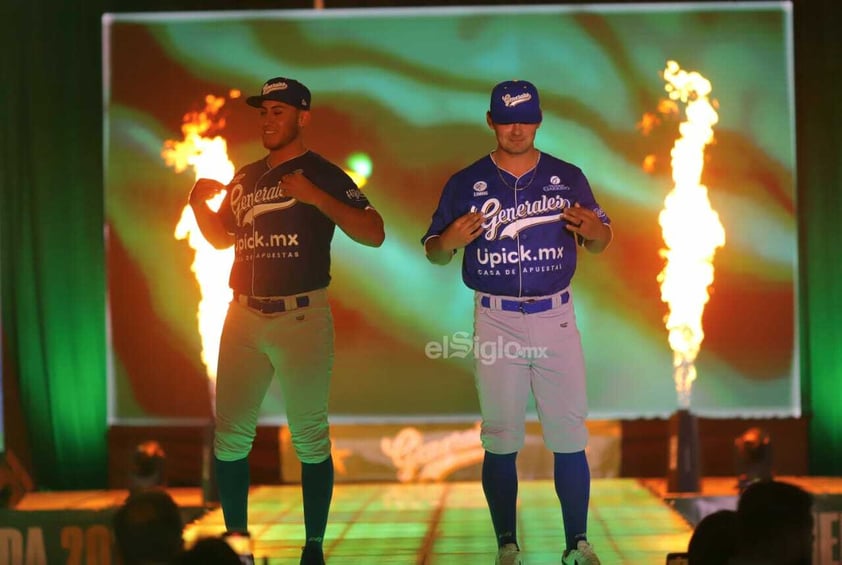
(409, 89)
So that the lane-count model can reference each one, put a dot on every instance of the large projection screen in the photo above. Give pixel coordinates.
(404, 93)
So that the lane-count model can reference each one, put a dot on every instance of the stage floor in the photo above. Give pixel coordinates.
(449, 524)
(631, 521)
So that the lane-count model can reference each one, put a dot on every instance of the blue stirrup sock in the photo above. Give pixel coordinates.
(573, 487)
(232, 479)
(317, 491)
(499, 483)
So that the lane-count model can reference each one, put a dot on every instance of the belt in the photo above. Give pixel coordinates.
(528, 306)
(274, 305)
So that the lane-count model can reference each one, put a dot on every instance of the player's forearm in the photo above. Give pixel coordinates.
(211, 226)
(599, 244)
(363, 226)
(436, 252)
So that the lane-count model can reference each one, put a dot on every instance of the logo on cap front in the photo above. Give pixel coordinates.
(512, 101)
(273, 87)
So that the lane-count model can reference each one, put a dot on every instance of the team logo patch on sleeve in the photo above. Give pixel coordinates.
(355, 194)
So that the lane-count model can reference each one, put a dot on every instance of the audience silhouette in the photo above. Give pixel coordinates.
(714, 541)
(148, 528)
(774, 525)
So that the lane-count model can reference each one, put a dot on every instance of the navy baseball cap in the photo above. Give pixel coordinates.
(515, 102)
(281, 89)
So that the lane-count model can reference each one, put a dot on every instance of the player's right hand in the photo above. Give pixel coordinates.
(463, 231)
(205, 189)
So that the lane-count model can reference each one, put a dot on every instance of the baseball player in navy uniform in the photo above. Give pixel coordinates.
(519, 214)
(280, 213)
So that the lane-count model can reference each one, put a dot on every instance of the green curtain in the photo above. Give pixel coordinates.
(51, 213)
(818, 60)
(51, 222)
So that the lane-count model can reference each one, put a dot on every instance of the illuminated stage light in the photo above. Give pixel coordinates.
(361, 164)
(359, 168)
(753, 457)
(148, 467)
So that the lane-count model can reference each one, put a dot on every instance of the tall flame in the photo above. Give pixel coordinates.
(208, 155)
(691, 228)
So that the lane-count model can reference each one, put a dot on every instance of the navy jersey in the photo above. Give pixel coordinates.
(525, 248)
(282, 246)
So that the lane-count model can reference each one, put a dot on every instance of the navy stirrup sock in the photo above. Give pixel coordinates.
(232, 478)
(499, 483)
(573, 487)
(317, 491)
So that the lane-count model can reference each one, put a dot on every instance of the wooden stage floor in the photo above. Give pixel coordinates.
(631, 521)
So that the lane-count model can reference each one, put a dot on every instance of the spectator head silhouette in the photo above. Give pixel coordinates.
(775, 524)
(714, 539)
(148, 528)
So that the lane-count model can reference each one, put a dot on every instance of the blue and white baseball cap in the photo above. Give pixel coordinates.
(282, 89)
(515, 102)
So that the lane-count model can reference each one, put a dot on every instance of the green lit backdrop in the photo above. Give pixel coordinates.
(409, 89)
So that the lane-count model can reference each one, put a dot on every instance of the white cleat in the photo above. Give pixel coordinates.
(509, 554)
(582, 555)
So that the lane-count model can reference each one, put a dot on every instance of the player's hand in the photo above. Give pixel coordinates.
(205, 189)
(296, 185)
(462, 231)
(583, 221)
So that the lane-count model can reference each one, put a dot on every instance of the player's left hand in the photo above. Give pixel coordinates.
(296, 185)
(583, 221)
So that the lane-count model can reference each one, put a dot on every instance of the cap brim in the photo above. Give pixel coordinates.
(506, 120)
(256, 101)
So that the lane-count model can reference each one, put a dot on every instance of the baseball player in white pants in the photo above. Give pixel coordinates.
(519, 214)
(280, 213)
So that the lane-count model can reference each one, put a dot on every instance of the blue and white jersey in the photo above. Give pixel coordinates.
(525, 249)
